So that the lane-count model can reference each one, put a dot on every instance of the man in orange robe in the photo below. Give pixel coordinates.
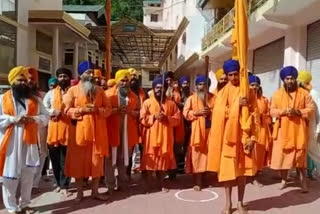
(264, 145)
(222, 80)
(123, 129)
(88, 106)
(21, 114)
(104, 83)
(142, 96)
(293, 107)
(159, 116)
(59, 133)
(197, 110)
(228, 155)
(97, 75)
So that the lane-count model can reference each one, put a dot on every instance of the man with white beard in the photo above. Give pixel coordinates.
(21, 113)
(87, 104)
(123, 128)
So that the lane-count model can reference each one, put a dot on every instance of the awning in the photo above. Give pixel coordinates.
(136, 45)
(60, 18)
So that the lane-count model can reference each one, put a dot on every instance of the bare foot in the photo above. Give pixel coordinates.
(165, 190)
(304, 186)
(283, 185)
(241, 209)
(100, 197)
(57, 189)
(257, 183)
(66, 193)
(79, 197)
(197, 188)
(226, 211)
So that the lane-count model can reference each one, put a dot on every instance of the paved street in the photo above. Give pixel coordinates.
(267, 199)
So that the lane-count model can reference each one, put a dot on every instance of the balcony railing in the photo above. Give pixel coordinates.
(226, 23)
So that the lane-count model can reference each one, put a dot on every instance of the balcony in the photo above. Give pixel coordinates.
(216, 31)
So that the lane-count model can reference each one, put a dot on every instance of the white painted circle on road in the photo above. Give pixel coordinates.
(214, 197)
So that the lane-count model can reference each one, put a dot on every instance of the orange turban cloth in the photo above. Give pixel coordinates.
(111, 82)
(34, 73)
(97, 73)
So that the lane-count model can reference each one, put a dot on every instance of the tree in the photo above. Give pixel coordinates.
(120, 8)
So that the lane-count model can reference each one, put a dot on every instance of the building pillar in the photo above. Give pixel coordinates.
(86, 56)
(296, 47)
(75, 59)
(55, 57)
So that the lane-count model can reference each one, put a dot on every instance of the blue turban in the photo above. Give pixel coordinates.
(231, 66)
(288, 71)
(254, 79)
(202, 78)
(183, 79)
(84, 66)
(52, 80)
(156, 81)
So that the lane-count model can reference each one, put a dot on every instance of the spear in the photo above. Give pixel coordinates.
(108, 38)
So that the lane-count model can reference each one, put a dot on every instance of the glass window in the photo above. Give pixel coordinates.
(68, 58)
(8, 8)
(44, 43)
(154, 17)
(7, 47)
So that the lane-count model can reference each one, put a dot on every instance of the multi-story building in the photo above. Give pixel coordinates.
(168, 14)
(281, 33)
(39, 33)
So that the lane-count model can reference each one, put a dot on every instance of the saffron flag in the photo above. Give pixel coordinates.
(240, 42)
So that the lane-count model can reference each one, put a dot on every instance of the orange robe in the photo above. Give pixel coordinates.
(198, 147)
(264, 145)
(179, 132)
(59, 131)
(113, 122)
(226, 154)
(85, 154)
(290, 134)
(158, 152)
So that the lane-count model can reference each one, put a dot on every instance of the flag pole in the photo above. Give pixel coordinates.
(108, 39)
(207, 79)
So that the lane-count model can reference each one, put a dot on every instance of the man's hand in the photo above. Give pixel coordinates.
(89, 110)
(243, 102)
(249, 145)
(206, 111)
(293, 112)
(25, 119)
(161, 117)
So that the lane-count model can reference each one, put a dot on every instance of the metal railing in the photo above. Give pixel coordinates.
(226, 23)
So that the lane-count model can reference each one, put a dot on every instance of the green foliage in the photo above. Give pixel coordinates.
(120, 8)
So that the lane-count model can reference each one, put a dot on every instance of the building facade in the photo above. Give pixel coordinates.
(281, 33)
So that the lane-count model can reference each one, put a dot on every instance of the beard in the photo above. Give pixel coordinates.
(134, 85)
(201, 94)
(124, 91)
(88, 86)
(221, 85)
(21, 92)
(290, 87)
(185, 90)
(64, 84)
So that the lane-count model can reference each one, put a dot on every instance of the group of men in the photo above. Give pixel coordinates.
(94, 126)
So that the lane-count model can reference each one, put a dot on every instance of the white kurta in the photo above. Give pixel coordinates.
(18, 153)
(314, 130)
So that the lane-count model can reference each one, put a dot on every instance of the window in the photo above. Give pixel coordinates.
(154, 17)
(184, 38)
(8, 38)
(97, 61)
(68, 58)
(44, 43)
(44, 64)
(8, 8)
(153, 75)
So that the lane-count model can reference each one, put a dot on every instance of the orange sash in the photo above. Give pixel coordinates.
(58, 130)
(30, 133)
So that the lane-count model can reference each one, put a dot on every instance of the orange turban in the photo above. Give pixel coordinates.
(34, 73)
(97, 73)
(111, 82)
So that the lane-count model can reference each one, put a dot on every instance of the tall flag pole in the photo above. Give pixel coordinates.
(108, 39)
(240, 43)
